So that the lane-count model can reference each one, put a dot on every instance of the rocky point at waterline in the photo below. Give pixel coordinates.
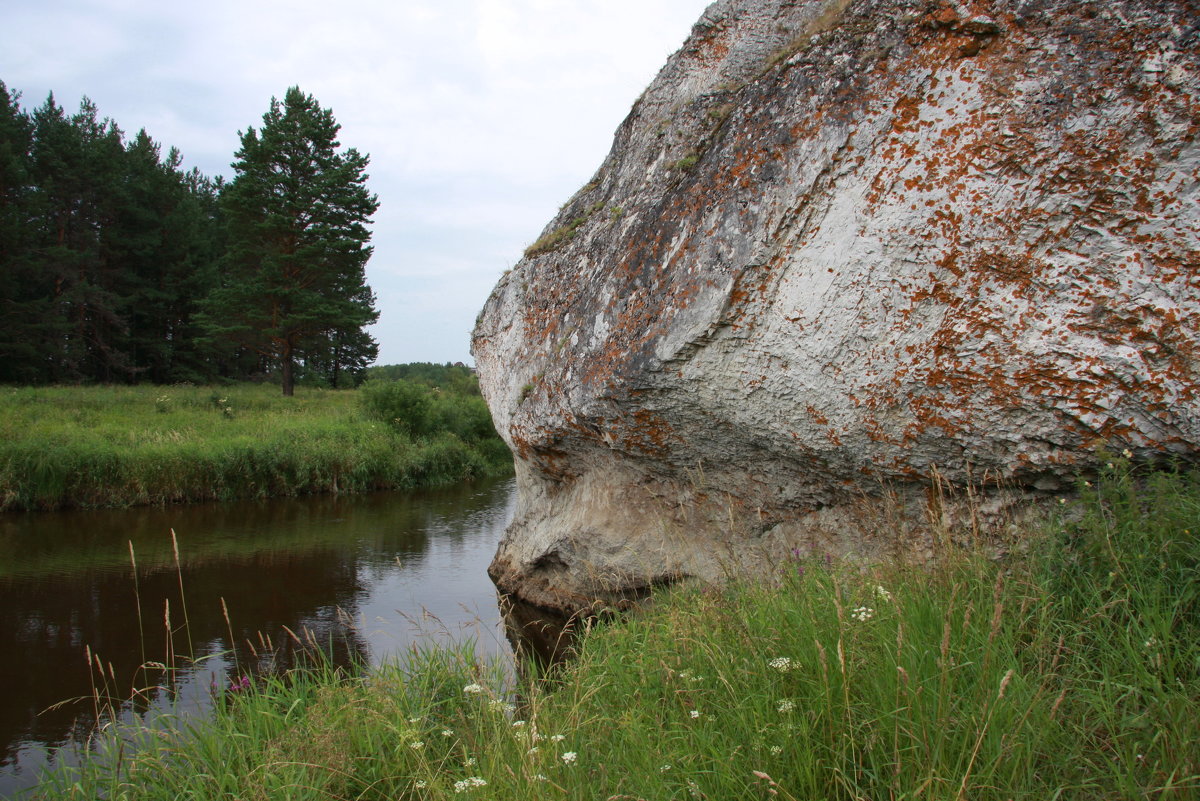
(844, 246)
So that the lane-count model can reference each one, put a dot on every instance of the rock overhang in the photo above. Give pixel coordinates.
(842, 247)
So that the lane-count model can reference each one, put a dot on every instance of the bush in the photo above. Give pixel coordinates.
(422, 411)
(401, 404)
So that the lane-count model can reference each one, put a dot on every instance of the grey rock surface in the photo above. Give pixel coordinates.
(846, 257)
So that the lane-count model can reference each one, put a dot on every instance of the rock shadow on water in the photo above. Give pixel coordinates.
(541, 639)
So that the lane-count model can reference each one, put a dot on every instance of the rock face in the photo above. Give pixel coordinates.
(845, 255)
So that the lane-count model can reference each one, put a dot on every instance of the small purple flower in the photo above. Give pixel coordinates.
(800, 571)
(240, 685)
(828, 561)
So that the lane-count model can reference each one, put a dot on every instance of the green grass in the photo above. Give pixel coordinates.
(687, 162)
(560, 236)
(1072, 672)
(119, 445)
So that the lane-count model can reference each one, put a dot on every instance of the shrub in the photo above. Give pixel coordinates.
(401, 404)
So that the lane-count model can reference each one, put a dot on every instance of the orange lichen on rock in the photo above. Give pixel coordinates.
(894, 245)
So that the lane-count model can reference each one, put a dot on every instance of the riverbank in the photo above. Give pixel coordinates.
(1068, 670)
(98, 446)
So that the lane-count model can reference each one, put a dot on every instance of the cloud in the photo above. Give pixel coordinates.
(480, 116)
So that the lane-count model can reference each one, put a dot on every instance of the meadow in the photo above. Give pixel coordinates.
(94, 446)
(1069, 669)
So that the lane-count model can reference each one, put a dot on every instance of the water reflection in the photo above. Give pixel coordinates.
(540, 638)
(365, 575)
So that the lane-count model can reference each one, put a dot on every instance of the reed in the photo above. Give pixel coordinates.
(1071, 671)
(120, 446)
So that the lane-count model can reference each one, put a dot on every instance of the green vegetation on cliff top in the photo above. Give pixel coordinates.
(1070, 670)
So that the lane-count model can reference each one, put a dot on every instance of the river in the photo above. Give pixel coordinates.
(366, 576)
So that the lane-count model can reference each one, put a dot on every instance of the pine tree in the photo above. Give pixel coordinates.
(105, 251)
(20, 308)
(163, 240)
(342, 359)
(76, 164)
(195, 241)
(297, 212)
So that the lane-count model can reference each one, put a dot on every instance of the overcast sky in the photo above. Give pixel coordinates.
(481, 117)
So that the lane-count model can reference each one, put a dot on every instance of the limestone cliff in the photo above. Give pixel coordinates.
(841, 248)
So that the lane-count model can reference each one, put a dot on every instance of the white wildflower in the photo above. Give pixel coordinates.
(862, 613)
(469, 783)
(1151, 643)
(414, 720)
(782, 663)
(468, 762)
(558, 738)
(695, 713)
(473, 689)
(533, 750)
(693, 789)
(664, 768)
(516, 724)
(570, 757)
(447, 733)
(419, 784)
(777, 750)
(1128, 454)
(416, 745)
(541, 778)
(787, 705)
(880, 592)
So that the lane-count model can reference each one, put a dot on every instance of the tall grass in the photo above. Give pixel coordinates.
(119, 446)
(1071, 672)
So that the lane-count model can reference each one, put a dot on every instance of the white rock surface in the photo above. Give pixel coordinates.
(840, 249)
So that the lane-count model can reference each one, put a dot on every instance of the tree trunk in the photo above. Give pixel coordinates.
(289, 378)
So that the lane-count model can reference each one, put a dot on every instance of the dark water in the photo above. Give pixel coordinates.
(365, 576)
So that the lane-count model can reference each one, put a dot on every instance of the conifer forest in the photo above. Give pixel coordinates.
(117, 265)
